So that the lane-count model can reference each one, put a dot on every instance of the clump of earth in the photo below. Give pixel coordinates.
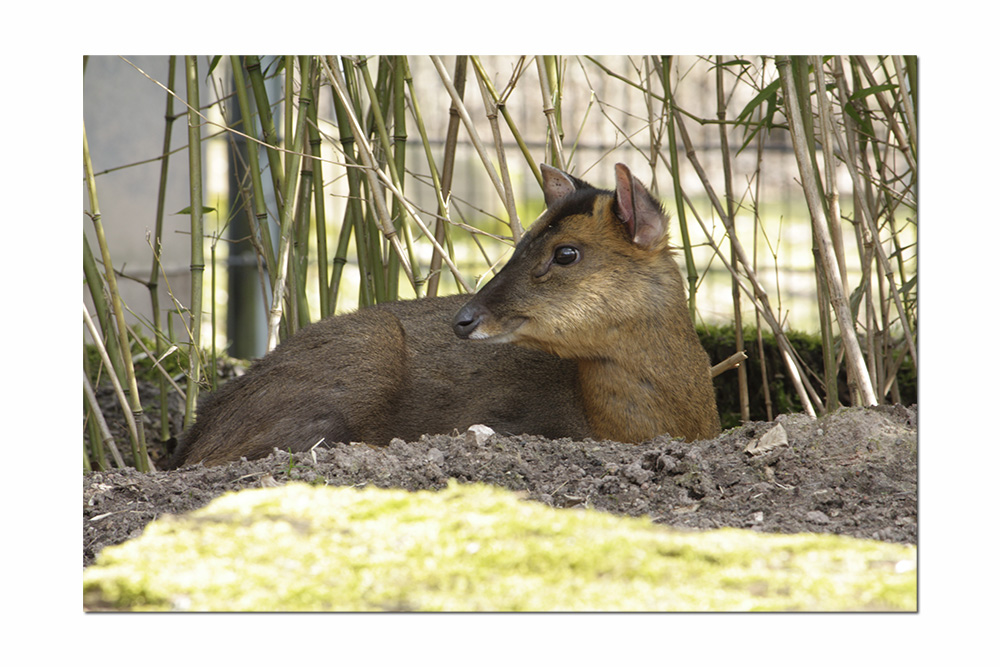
(852, 472)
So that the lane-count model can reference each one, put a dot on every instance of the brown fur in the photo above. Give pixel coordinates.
(602, 346)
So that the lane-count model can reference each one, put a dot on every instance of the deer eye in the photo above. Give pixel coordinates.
(565, 255)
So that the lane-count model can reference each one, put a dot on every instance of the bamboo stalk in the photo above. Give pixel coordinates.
(326, 308)
(734, 360)
(673, 168)
(197, 240)
(501, 103)
(396, 171)
(303, 207)
(95, 284)
(469, 126)
(831, 364)
(758, 179)
(154, 272)
(869, 222)
(399, 157)
(759, 295)
(107, 440)
(442, 182)
(508, 201)
(94, 435)
(354, 216)
(252, 64)
(890, 117)
(550, 93)
(370, 171)
(727, 169)
(139, 434)
(259, 208)
(909, 112)
(376, 177)
(134, 425)
(800, 141)
(287, 216)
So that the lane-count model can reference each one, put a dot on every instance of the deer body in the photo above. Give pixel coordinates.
(584, 333)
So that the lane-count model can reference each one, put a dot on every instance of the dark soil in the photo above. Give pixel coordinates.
(853, 472)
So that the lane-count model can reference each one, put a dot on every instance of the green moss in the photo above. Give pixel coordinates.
(466, 548)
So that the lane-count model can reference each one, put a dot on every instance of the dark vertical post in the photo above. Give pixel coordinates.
(246, 320)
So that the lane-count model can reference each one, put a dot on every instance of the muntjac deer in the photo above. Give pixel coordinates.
(584, 333)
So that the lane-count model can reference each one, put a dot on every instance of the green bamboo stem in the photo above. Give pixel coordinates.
(368, 234)
(682, 226)
(253, 68)
(259, 210)
(727, 168)
(294, 288)
(197, 235)
(287, 217)
(399, 137)
(289, 115)
(396, 171)
(139, 435)
(95, 285)
(354, 218)
(319, 203)
(758, 179)
(303, 210)
(377, 95)
(154, 272)
(94, 434)
(377, 177)
(372, 174)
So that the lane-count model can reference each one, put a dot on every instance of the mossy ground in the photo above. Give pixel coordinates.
(478, 548)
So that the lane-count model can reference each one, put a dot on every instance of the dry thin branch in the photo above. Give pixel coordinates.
(732, 361)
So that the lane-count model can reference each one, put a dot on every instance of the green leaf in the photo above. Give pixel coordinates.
(865, 92)
(768, 93)
(187, 210)
(214, 64)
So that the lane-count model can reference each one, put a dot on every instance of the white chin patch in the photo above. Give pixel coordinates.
(504, 337)
(500, 338)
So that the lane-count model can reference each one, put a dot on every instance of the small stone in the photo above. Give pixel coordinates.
(478, 434)
(774, 438)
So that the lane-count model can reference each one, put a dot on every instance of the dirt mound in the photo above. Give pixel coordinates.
(854, 473)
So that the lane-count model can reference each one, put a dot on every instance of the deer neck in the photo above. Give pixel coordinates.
(632, 396)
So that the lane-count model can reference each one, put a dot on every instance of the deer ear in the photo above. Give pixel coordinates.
(556, 184)
(642, 215)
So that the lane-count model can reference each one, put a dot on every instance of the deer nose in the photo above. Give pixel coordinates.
(468, 319)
